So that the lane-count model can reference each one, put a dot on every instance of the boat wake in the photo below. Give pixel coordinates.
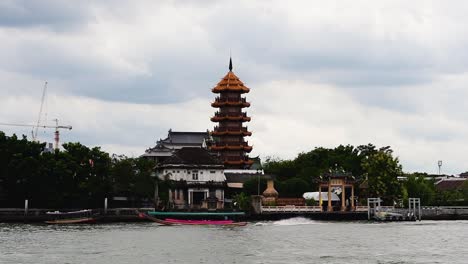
(289, 222)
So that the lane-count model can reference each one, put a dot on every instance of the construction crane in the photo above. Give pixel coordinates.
(34, 132)
(57, 127)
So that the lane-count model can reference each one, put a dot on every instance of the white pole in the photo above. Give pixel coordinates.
(419, 208)
(105, 205)
(368, 208)
(26, 206)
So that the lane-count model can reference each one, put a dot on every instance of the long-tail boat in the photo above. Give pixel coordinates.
(171, 221)
(75, 217)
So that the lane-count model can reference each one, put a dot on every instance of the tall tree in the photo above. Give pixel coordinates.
(382, 171)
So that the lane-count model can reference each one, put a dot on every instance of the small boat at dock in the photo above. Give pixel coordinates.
(74, 217)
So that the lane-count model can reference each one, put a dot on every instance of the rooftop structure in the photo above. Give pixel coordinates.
(229, 134)
(176, 140)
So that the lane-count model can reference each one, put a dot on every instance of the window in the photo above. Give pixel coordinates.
(194, 175)
(212, 172)
(178, 194)
(201, 172)
(177, 171)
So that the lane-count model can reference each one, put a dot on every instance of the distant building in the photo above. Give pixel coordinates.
(450, 184)
(197, 177)
(176, 140)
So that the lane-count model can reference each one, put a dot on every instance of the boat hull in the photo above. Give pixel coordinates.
(192, 222)
(88, 220)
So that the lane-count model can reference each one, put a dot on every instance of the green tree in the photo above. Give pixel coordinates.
(416, 186)
(251, 186)
(382, 171)
(294, 187)
(242, 201)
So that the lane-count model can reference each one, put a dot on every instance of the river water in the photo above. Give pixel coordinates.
(296, 240)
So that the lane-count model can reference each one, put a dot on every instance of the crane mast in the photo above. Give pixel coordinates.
(34, 134)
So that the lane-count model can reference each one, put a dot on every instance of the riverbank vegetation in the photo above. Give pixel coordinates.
(376, 171)
(77, 177)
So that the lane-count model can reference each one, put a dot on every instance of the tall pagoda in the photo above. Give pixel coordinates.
(229, 134)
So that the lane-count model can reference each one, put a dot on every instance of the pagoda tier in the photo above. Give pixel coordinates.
(232, 146)
(231, 131)
(220, 102)
(230, 117)
(229, 134)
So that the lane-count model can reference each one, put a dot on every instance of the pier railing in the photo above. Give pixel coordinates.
(290, 209)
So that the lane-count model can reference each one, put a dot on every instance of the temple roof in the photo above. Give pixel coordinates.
(178, 140)
(186, 138)
(230, 82)
(193, 156)
(450, 184)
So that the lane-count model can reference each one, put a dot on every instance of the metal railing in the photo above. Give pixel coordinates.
(290, 209)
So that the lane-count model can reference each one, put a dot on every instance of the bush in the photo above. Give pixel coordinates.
(311, 202)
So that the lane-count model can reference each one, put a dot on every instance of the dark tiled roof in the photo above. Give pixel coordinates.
(450, 185)
(195, 138)
(197, 156)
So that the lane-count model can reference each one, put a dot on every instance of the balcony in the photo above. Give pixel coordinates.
(232, 131)
(230, 116)
(220, 102)
(232, 146)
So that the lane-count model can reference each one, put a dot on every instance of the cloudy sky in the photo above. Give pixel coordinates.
(321, 73)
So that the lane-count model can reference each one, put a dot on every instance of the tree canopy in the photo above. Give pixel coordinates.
(76, 177)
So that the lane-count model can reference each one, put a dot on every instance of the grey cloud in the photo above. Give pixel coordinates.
(55, 14)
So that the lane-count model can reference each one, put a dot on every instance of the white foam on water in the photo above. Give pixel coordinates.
(295, 221)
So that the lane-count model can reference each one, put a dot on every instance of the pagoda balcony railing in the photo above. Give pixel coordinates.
(242, 114)
(233, 100)
(233, 144)
(230, 129)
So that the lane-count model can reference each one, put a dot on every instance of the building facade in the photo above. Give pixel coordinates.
(229, 134)
(197, 179)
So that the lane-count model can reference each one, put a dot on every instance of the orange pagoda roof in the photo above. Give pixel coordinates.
(230, 83)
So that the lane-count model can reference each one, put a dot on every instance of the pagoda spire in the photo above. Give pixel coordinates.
(230, 64)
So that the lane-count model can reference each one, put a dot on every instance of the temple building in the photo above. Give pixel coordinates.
(229, 135)
(197, 179)
(175, 140)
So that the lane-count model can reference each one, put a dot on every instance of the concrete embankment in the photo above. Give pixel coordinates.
(130, 215)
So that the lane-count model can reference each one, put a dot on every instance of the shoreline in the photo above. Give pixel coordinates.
(115, 215)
